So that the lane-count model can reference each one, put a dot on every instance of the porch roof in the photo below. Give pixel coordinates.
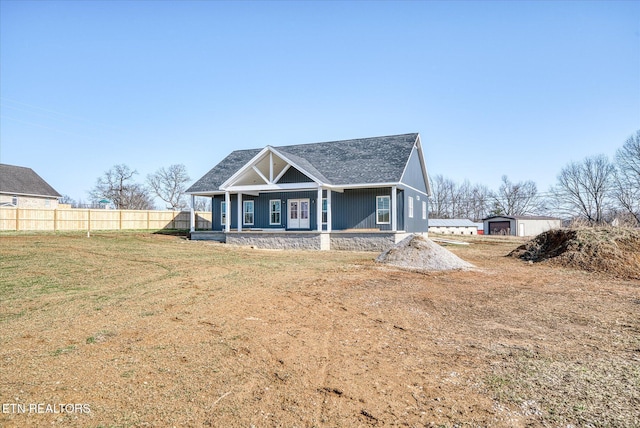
(338, 163)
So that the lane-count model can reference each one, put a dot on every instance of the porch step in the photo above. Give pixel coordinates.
(208, 235)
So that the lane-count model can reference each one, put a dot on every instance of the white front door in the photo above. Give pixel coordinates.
(298, 214)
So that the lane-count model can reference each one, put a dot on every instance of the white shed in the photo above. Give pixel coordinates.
(453, 226)
(520, 225)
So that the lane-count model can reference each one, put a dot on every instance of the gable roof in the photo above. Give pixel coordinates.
(19, 180)
(522, 217)
(451, 222)
(335, 163)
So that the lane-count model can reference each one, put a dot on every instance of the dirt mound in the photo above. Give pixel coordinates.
(614, 251)
(419, 253)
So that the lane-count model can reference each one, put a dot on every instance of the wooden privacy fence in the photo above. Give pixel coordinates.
(14, 219)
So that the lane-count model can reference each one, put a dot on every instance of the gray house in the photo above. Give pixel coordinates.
(21, 187)
(365, 194)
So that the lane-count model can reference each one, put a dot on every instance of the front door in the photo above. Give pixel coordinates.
(298, 217)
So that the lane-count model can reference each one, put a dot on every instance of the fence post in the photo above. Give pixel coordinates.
(17, 219)
(55, 220)
(148, 220)
(120, 220)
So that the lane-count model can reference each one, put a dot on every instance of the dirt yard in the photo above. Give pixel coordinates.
(152, 330)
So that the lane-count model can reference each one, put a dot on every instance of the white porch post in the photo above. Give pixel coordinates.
(239, 212)
(328, 210)
(319, 209)
(394, 210)
(192, 217)
(227, 211)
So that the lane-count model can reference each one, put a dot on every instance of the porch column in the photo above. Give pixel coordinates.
(328, 210)
(239, 212)
(227, 211)
(192, 216)
(319, 209)
(394, 209)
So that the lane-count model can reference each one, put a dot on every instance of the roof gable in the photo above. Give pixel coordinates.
(375, 160)
(24, 181)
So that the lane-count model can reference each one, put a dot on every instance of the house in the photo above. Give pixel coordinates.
(21, 187)
(453, 226)
(365, 194)
(519, 225)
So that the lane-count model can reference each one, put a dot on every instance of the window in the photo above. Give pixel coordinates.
(223, 213)
(14, 201)
(275, 211)
(248, 212)
(383, 210)
(410, 207)
(424, 210)
(324, 211)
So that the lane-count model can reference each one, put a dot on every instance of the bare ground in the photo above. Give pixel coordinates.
(152, 330)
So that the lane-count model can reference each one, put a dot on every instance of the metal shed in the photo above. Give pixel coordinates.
(519, 225)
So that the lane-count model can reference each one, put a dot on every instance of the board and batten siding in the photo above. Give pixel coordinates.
(413, 172)
(415, 224)
(262, 209)
(294, 176)
(351, 209)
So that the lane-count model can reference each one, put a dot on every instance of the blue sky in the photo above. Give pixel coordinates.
(515, 88)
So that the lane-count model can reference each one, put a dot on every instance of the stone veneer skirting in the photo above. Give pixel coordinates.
(346, 241)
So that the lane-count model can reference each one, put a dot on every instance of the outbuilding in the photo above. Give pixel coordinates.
(519, 225)
(453, 226)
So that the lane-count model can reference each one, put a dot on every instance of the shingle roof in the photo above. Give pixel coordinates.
(340, 163)
(24, 181)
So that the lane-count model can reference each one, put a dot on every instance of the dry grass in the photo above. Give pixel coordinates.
(611, 250)
(154, 330)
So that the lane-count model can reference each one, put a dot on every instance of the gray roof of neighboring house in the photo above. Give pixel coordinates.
(19, 180)
(451, 222)
(358, 161)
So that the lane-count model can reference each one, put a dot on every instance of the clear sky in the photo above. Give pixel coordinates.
(516, 88)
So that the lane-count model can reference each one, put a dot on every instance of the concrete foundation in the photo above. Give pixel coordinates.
(312, 240)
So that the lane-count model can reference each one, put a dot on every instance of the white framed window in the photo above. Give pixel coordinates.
(223, 213)
(247, 210)
(14, 200)
(324, 211)
(424, 210)
(383, 209)
(410, 207)
(275, 210)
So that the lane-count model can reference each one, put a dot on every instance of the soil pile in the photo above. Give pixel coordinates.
(419, 253)
(614, 251)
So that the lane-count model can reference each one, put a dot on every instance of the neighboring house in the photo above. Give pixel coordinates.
(21, 187)
(365, 193)
(520, 225)
(453, 226)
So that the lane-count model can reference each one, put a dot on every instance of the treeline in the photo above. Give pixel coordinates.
(595, 191)
(118, 188)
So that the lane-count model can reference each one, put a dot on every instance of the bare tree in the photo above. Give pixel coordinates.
(441, 196)
(626, 186)
(516, 198)
(584, 188)
(117, 186)
(169, 184)
(452, 200)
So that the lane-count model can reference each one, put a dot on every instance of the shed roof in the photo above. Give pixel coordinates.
(522, 217)
(19, 180)
(339, 163)
(451, 222)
